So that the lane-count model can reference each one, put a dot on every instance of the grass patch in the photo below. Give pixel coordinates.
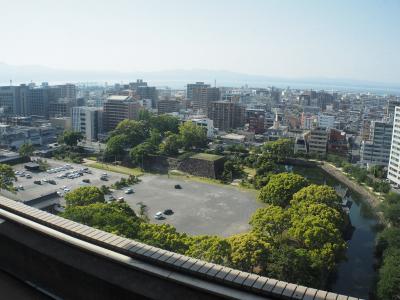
(117, 169)
(207, 156)
(182, 175)
(250, 171)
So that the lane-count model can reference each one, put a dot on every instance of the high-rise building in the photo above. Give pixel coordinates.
(148, 92)
(376, 151)
(88, 120)
(119, 108)
(167, 106)
(13, 99)
(394, 160)
(38, 102)
(191, 86)
(226, 115)
(203, 96)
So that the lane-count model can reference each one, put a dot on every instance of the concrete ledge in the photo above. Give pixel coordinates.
(111, 246)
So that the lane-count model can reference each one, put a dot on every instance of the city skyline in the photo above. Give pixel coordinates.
(286, 39)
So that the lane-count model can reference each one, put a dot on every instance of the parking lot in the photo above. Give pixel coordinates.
(198, 208)
(54, 182)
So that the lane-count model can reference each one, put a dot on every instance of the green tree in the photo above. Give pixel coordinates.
(170, 145)
(270, 221)
(281, 188)
(279, 150)
(26, 149)
(165, 123)
(115, 146)
(164, 236)
(210, 248)
(134, 132)
(84, 196)
(232, 170)
(248, 251)
(389, 276)
(7, 177)
(117, 218)
(388, 238)
(70, 138)
(192, 135)
(317, 194)
(139, 153)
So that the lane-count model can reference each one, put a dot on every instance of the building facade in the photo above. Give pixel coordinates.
(119, 108)
(226, 115)
(394, 159)
(376, 151)
(317, 142)
(88, 120)
(203, 96)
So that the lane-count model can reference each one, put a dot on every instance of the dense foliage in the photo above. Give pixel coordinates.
(299, 242)
(388, 250)
(7, 177)
(84, 196)
(26, 149)
(281, 187)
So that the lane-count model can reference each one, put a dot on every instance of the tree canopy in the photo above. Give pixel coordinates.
(192, 135)
(84, 196)
(70, 138)
(7, 177)
(26, 149)
(281, 188)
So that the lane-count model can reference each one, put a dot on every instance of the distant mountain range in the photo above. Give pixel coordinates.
(179, 78)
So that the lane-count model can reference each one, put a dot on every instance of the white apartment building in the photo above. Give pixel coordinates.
(394, 160)
(88, 120)
(206, 123)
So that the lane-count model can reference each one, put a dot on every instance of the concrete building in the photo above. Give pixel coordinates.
(256, 120)
(191, 86)
(317, 141)
(203, 96)
(337, 142)
(394, 160)
(119, 108)
(206, 123)
(13, 99)
(326, 121)
(226, 115)
(148, 92)
(14, 136)
(376, 151)
(167, 106)
(88, 120)
(38, 102)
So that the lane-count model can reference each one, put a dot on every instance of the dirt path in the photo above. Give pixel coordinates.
(369, 197)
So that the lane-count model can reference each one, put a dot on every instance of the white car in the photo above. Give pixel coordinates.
(159, 215)
(67, 190)
(129, 191)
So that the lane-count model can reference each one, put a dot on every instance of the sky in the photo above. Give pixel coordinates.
(337, 39)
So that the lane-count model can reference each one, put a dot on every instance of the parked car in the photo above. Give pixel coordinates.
(37, 182)
(178, 186)
(28, 176)
(159, 216)
(129, 191)
(121, 199)
(168, 212)
(104, 178)
(86, 180)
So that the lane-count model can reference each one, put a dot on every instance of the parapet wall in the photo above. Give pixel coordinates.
(154, 273)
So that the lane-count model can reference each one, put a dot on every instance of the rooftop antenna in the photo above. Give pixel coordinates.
(215, 82)
(10, 82)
